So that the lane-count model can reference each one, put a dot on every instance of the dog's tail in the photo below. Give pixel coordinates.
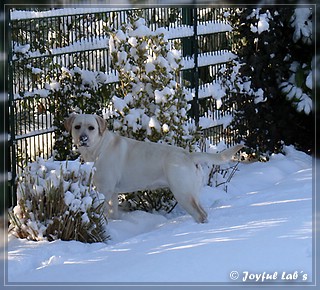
(216, 158)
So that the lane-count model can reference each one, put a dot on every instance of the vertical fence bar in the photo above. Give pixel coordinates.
(12, 199)
(196, 68)
(188, 50)
(3, 156)
(3, 131)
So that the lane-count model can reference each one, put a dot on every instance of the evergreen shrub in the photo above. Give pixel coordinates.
(56, 200)
(149, 104)
(272, 88)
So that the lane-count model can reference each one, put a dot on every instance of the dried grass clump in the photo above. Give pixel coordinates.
(56, 200)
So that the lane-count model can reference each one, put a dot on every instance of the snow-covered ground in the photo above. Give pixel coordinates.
(262, 225)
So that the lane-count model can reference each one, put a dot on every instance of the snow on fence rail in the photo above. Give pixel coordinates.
(23, 15)
(202, 29)
(48, 44)
(208, 58)
(23, 51)
(210, 90)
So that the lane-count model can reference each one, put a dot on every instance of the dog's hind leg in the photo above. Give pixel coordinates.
(191, 205)
(185, 180)
(199, 209)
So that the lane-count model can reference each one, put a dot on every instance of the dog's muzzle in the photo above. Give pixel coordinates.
(83, 140)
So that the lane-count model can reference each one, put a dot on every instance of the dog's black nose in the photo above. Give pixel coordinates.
(83, 140)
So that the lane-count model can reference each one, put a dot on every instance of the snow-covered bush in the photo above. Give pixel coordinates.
(77, 90)
(56, 200)
(149, 104)
(273, 81)
(298, 87)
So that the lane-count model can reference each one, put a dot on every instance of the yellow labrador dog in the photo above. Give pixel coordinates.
(126, 165)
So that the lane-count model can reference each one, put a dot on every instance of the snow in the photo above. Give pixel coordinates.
(296, 94)
(93, 79)
(19, 15)
(206, 59)
(259, 96)
(262, 224)
(36, 133)
(263, 21)
(213, 27)
(215, 57)
(150, 67)
(202, 28)
(309, 80)
(214, 90)
(154, 123)
(209, 90)
(94, 43)
(263, 25)
(302, 23)
(305, 104)
(118, 103)
(210, 120)
(180, 31)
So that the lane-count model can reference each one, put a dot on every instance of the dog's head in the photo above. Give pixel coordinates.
(85, 129)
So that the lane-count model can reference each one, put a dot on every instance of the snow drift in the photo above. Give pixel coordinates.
(262, 225)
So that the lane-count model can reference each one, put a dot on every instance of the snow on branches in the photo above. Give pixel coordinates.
(149, 103)
(57, 200)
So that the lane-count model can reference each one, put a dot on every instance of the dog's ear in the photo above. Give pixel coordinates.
(102, 124)
(68, 122)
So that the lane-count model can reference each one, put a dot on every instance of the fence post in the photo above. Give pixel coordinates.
(2, 148)
(12, 197)
(2, 130)
(196, 68)
(190, 48)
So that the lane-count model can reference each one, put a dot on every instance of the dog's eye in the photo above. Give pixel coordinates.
(91, 128)
(77, 127)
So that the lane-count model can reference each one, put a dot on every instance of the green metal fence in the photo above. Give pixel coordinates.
(45, 43)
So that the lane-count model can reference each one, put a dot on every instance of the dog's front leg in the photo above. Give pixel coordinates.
(105, 184)
(112, 205)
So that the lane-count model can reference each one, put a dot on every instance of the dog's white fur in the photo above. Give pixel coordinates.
(126, 165)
